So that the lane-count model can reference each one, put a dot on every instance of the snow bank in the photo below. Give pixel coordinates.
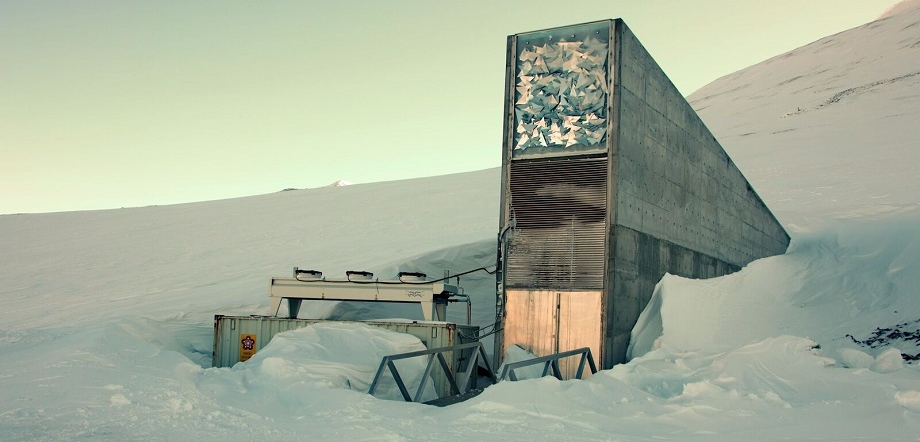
(835, 287)
(775, 388)
(335, 355)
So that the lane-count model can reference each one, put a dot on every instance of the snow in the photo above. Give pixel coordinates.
(340, 183)
(899, 8)
(314, 356)
(106, 331)
(828, 129)
(834, 285)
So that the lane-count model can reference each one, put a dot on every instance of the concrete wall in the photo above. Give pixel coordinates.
(680, 205)
(638, 262)
(674, 180)
(597, 229)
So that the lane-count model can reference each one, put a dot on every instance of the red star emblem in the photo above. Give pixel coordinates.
(248, 343)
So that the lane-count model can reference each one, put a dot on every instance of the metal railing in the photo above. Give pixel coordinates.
(435, 354)
(466, 384)
(551, 363)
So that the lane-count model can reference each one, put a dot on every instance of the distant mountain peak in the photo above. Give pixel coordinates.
(340, 183)
(899, 7)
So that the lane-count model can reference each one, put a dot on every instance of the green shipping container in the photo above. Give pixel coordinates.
(237, 338)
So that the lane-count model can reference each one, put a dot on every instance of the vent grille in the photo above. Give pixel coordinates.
(560, 209)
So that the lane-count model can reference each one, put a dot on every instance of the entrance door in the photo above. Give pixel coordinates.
(547, 321)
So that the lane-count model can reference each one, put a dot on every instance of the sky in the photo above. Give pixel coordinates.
(108, 104)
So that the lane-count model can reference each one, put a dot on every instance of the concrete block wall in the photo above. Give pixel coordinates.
(639, 260)
(680, 204)
(674, 180)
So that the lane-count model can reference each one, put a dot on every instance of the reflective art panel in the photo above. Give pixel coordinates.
(561, 90)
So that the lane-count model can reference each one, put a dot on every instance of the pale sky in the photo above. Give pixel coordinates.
(124, 103)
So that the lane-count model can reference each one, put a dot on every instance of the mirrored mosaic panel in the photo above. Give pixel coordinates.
(560, 99)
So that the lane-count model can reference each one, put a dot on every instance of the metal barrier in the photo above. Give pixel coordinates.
(436, 353)
(552, 363)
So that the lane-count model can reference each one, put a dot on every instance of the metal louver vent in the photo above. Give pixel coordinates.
(560, 208)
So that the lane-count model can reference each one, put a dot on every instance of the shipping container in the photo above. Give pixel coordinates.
(237, 338)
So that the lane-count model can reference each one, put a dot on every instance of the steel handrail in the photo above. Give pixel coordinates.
(552, 364)
(434, 354)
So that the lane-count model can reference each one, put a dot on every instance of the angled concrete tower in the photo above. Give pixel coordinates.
(609, 180)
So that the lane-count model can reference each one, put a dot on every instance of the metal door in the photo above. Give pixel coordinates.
(551, 321)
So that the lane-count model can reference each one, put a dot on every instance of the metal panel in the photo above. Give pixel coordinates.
(547, 321)
(531, 321)
(579, 326)
(431, 295)
(559, 209)
(560, 90)
(228, 330)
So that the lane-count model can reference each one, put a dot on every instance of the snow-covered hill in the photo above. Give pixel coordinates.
(105, 330)
(831, 129)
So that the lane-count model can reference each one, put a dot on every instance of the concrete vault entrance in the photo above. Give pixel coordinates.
(609, 180)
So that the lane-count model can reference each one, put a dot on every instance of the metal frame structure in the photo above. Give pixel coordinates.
(551, 363)
(467, 381)
(433, 296)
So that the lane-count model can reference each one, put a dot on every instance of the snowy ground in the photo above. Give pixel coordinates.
(106, 329)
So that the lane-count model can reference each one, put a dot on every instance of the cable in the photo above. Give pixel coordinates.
(480, 336)
(493, 325)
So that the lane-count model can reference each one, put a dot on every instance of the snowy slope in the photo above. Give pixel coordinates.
(220, 254)
(830, 128)
(105, 331)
